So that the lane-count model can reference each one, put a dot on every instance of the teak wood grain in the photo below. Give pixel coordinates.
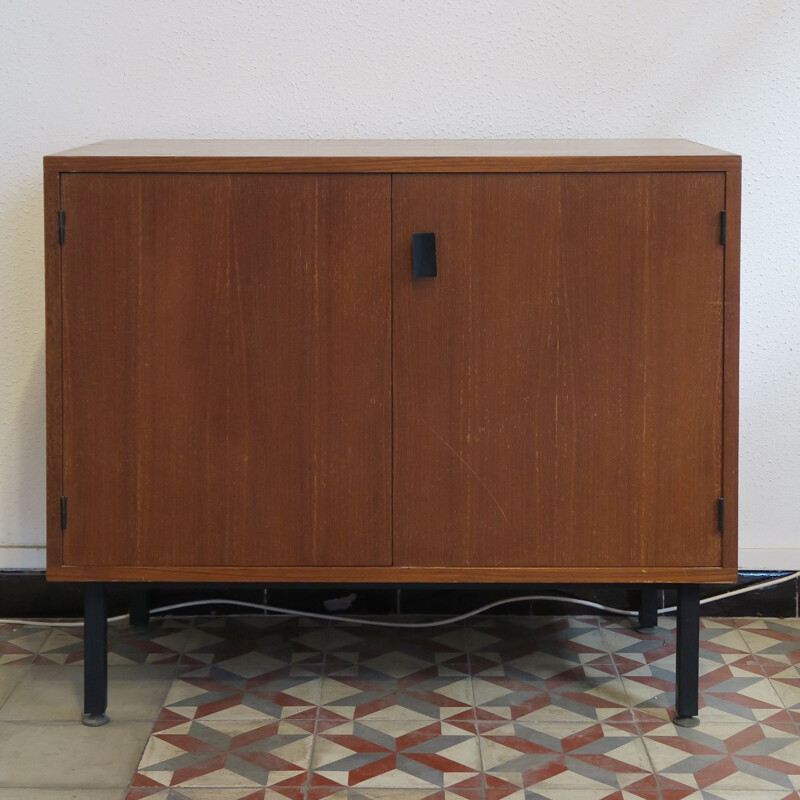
(53, 364)
(226, 369)
(410, 155)
(570, 353)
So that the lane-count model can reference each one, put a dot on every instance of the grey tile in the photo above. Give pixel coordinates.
(10, 676)
(56, 693)
(69, 755)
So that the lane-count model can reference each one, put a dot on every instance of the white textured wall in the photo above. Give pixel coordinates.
(723, 73)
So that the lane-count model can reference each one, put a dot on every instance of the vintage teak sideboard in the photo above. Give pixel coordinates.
(392, 361)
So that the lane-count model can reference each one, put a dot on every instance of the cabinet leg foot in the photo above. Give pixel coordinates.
(95, 720)
(687, 656)
(139, 608)
(648, 610)
(95, 655)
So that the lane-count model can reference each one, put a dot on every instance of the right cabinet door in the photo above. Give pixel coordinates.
(558, 385)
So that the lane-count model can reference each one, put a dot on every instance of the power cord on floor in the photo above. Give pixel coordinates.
(435, 623)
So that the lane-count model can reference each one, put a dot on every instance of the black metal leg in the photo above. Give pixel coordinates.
(95, 655)
(648, 609)
(139, 608)
(687, 656)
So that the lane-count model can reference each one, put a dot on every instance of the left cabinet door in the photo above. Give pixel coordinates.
(226, 369)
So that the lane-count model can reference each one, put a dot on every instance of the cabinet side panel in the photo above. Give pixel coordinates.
(730, 442)
(52, 265)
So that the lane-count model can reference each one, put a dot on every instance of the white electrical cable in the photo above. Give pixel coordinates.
(447, 621)
(36, 623)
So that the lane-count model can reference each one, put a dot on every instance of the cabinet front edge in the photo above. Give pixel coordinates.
(399, 164)
(395, 574)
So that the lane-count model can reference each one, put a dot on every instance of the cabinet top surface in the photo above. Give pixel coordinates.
(375, 155)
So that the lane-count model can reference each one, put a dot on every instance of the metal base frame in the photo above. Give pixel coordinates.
(648, 609)
(139, 608)
(687, 656)
(95, 663)
(95, 655)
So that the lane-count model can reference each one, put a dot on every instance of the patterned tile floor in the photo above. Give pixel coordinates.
(250, 708)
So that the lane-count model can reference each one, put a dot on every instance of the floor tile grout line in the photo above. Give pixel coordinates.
(15, 684)
(323, 676)
(618, 674)
(479, 741)
(637, 726)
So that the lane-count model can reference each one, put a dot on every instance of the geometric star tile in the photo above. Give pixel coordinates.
(530, 646)
(729, 693)
(194, 793)
(245, 753)
(423, 695)
(578, 694)
(340, 793)
(718, 758)
(19, 644)
(723, 794)
(287, 793)
(588, 756)
(374, 653)
(161, 644)
(404, 754)
(213, 693)
(256, 643)
(777, 640)
(719, 643)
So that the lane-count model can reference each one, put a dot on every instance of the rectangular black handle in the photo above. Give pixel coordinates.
(423, 254)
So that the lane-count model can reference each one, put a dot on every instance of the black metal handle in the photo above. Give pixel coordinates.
(423, 254)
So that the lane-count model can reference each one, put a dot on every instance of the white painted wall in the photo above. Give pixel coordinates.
(723, 73)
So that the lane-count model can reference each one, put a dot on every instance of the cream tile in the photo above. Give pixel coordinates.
(62, 794)
(69, 755)
(56, 693)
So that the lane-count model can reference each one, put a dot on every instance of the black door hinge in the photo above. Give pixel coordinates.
(721, 514)
(63, 513)
(62, 226)
(723, 226)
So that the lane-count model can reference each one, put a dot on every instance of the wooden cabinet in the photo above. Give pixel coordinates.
(247, 382)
